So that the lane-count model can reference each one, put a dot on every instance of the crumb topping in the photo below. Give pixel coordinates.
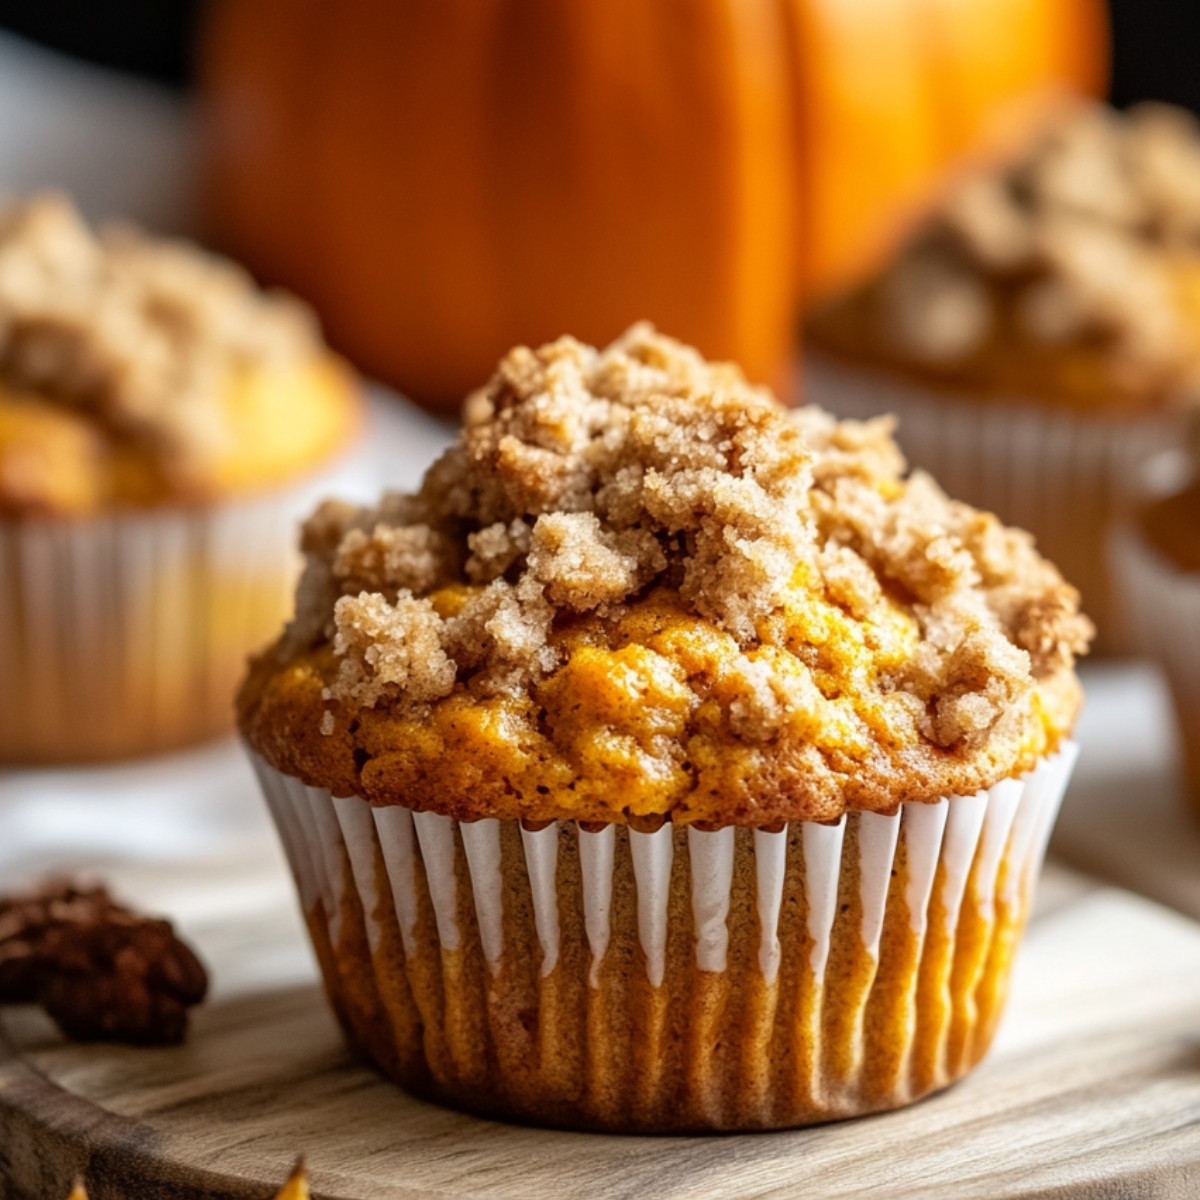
(1073, 270)
(136, 336)
(639, 586)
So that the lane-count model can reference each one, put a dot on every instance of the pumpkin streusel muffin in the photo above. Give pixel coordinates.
(163, 425)
(669, 761)
(1040, 335)
(1156, 560)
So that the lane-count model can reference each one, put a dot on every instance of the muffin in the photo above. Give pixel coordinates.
(669, 761)
(1156, 562)
(1040, 334)
(163, 427)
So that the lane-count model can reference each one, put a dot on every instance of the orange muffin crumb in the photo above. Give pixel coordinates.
(639, 588)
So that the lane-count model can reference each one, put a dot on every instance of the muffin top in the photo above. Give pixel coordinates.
(135, 371)
(639, 588)
(1070, 275)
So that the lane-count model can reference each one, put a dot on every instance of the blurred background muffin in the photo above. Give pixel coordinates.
(1156, 559)
(1039, 335)
(162, 423)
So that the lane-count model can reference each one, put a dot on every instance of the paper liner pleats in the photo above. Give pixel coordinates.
(128, 633)
(1161, 607)
(675, 980)
(1062, 475)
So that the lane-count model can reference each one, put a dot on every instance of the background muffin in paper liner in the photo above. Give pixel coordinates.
(163, 427)
(1156, 561)
(1039, 337)
(668, 761)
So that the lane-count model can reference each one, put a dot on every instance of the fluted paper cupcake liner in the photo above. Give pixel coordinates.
(671, 980)
(127, 633)
(1161, 605)
(1064, 476)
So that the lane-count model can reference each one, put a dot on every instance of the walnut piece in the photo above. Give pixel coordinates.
(100, 970)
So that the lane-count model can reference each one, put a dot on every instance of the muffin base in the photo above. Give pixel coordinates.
(669, 982)
(1062, 475)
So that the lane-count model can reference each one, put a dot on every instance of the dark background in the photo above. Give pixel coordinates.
(1156, 43)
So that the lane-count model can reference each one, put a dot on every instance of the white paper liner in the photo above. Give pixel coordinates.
(596, 858)
(1061, 475)
(321, 834)
(357, 866)
(127, 633)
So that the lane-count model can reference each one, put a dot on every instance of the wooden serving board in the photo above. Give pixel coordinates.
(1093, 1090)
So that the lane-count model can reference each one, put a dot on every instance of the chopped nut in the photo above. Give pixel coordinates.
(100, 971)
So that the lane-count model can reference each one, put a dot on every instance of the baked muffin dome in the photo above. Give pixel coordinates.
(1069, 275)
(164, 425)
(136, 372)
(639, 588)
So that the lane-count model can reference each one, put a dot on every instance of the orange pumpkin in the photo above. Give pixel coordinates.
(446, 178)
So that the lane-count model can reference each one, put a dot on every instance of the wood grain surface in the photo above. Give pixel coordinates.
(1092, 1091)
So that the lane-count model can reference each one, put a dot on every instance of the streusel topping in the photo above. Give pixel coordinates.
(638, 587)
(1072, 272)
(132, 339)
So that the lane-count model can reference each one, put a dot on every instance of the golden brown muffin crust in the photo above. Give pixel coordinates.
(638, 587)
(121, 357)
(1070, 275)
